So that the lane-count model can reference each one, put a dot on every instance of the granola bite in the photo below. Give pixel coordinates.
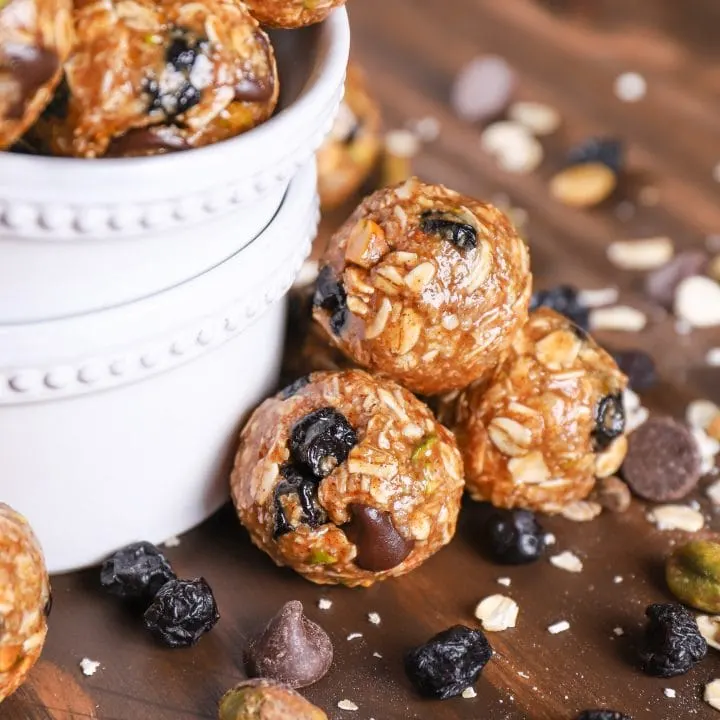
(35, 39)
(347, 479)
(425, 286)
(24, 600)
(348, 155)
(156, 76)
(292, 13)
(538, 434)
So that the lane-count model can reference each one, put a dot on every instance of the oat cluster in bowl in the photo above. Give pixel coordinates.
(127, 78)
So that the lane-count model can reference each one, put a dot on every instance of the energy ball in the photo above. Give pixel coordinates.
(347, 479)
(35, 39)
(24, 600)
(348, 155)
(551, 420)
(292, 13)
(425, 286)
(155, 76)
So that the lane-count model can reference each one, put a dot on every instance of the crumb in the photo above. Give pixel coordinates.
(550, 539)
(567, 561)
(354, 636)
(618, 579)
(630, 87)
(89, 667)
(504, 581)
(469, 693)
(377, 655)
(426, 128)
(348, 705)
(374, 618)
(324, 603)
(559, 627)
(523, 675)
(669, 693)
(618, 631)
(172, 542)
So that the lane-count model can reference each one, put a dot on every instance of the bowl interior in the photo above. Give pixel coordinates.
(297, 53)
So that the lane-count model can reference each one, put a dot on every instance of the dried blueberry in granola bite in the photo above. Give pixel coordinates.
(330, 296)
(136, 572)
(448, 663)
(182, 612)
(322, 440)
(673, 643)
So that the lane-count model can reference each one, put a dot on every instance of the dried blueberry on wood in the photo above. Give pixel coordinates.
(609, 420)
(608, 151)
(565, 300)
(448, 663)
(330, 295)
(673, 643)
(321, 441)
(136, 572)
(301, 483)
(450, 228)
(514, 537)
(183, 611)
(602, 715)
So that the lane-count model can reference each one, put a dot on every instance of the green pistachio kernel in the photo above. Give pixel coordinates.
(423, 448)
(693, 575)
(321, 557)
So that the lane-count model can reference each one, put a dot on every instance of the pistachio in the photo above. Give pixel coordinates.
(263, 699)
(693, 574)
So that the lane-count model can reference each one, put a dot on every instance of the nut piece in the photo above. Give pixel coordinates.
(644, 254)
(584, 185)
(700, 413)
(292, 649)
(497, 613)
(693, 575)
(264, 699)
(676, 517)
(25, 600)
(613, 494)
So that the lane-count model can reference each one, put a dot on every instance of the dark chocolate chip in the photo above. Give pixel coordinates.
(450, 228)
(661, 284)
(379, 545)
(147, 141)
(609, 420)
(663, 460)
(30, 67)
(291, 649)
(639, 367)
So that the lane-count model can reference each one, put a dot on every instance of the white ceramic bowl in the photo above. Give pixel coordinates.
(118, 425)
(82, 235)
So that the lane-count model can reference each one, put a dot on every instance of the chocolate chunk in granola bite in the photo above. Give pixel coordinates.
(379, 545)
(291, 649)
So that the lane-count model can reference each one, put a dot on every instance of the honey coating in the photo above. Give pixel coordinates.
(292, 13)
(425, 286)
(24, 600)
(538, 434)
(348, 155)
(156, 76)
(35, 39)
(386, 507)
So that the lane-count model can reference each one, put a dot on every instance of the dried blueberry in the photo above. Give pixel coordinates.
(182, 611)
(608, 151)
(673, 643)
(448, 663)
(294, 387)
(330, 295)
(514, 537)
(136, 572)
(565, 300)
(300, 482)
(322, 440)
(609, 420)
(182, 51)
(602, 715)
(450, 228)
(639, 367)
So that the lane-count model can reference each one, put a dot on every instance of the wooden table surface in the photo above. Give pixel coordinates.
(567, 53)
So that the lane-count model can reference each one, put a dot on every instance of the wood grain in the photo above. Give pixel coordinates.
(566, 53)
